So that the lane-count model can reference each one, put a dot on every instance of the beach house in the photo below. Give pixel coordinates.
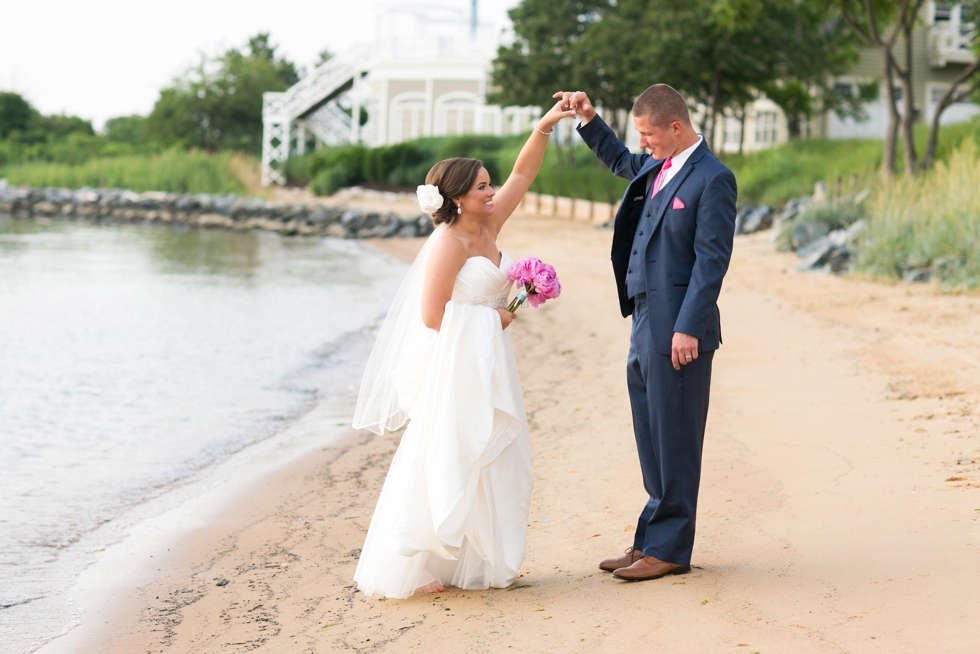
(425, 73)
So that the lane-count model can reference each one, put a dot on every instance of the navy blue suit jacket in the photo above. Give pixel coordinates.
(690, 248)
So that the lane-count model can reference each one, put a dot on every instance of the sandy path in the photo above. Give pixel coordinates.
(840, 503)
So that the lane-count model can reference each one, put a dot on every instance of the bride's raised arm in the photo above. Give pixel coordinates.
(526, 167)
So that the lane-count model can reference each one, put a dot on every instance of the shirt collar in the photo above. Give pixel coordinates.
(681, 157)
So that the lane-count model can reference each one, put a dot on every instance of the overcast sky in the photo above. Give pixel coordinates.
(103, 58)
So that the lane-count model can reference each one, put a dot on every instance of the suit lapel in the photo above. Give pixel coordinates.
(678, 180)
(626, 227)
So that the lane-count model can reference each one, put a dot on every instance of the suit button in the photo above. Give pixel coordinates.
(641, 233)
(634, 251)
(630, 271)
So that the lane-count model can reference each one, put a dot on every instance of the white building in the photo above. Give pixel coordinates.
(425, 74)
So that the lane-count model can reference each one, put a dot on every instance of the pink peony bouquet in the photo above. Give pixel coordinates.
(538, 282)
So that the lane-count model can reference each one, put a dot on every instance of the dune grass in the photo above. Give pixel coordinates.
(931, 221)
(790, 170)
(173, 171)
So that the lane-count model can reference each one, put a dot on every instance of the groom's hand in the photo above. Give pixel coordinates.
(578, 102)
(683, 350)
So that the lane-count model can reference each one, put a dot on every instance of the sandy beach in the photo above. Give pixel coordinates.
(839, 507)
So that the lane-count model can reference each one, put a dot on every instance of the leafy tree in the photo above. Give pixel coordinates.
(724, 53)
(218, 103)
(868, 19)
(15, 113)
(614, 70)
(542, 59)
(132, 130)
(720, 53)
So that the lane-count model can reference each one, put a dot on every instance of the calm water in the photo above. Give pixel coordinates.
(132, 358)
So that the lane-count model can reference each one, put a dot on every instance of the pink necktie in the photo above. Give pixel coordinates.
(657, 183)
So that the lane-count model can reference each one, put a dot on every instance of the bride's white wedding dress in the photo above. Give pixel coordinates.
(454, 506)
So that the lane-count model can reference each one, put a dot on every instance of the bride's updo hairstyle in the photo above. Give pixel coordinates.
(454, 178)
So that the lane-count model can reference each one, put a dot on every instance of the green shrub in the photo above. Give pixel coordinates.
(409, 176)
(592, 183)
(349, 157)
(380, 162)
(329, 181)
(297, 169)
(473, 146)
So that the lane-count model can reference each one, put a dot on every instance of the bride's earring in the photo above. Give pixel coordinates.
(459, 208)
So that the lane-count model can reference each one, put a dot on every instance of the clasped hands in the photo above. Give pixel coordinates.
(576, 102)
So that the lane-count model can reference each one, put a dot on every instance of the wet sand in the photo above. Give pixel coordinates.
(839, 509)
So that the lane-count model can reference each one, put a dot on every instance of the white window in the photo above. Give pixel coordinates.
(765, 127)
(459, 118)
(936, 94)
(407, 118)
(455, 114)
(733, 133)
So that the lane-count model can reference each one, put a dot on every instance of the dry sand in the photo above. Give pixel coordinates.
(840, 498)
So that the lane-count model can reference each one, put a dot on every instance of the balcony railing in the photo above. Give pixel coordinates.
(951, 40)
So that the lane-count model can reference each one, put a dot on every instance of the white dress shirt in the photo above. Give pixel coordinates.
(679, 160)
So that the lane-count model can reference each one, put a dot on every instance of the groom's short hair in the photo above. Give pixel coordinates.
(662, 105)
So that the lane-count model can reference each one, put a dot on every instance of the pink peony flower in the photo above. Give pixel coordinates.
(523, 271)
(540, 281)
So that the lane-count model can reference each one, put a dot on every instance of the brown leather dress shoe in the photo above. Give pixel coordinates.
(650, 567)
(628, 559)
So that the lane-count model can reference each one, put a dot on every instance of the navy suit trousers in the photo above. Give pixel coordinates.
(670, 408)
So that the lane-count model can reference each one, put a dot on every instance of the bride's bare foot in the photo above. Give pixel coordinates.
(434, 587)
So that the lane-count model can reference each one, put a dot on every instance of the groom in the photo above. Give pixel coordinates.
(670, 251)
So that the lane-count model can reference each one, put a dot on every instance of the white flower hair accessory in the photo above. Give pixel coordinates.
(430, 199)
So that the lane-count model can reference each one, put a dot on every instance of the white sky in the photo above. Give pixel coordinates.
(104, 58)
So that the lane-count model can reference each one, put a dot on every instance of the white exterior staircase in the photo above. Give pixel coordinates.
(310, 104)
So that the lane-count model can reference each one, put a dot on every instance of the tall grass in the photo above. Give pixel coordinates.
(790, 170)
(174, 171)
(931, 221)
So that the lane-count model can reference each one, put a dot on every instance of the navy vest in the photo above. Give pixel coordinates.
(636, 276)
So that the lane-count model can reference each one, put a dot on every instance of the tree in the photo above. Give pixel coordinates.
(15, 113)
(866, 18)
(218, 103)
(721, 54)
(541, 59)
(725, 53)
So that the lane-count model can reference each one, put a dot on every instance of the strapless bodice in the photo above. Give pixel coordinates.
(482, 283)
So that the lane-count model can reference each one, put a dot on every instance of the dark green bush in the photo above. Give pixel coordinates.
(474, 146)
(297, 169)
(330, 180)
(591, 183)
(409, 176)
(349, 157)
(380, 162)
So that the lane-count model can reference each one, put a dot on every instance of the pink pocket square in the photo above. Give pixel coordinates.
(678, 204)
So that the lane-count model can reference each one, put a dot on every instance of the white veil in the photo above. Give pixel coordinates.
(400, 355)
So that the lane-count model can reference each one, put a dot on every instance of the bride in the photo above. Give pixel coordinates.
(453, 510)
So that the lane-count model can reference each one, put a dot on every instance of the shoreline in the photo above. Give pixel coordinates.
(843, 440)
(356, 219)
(121, 554)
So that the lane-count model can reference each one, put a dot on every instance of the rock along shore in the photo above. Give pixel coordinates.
(210, 211)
